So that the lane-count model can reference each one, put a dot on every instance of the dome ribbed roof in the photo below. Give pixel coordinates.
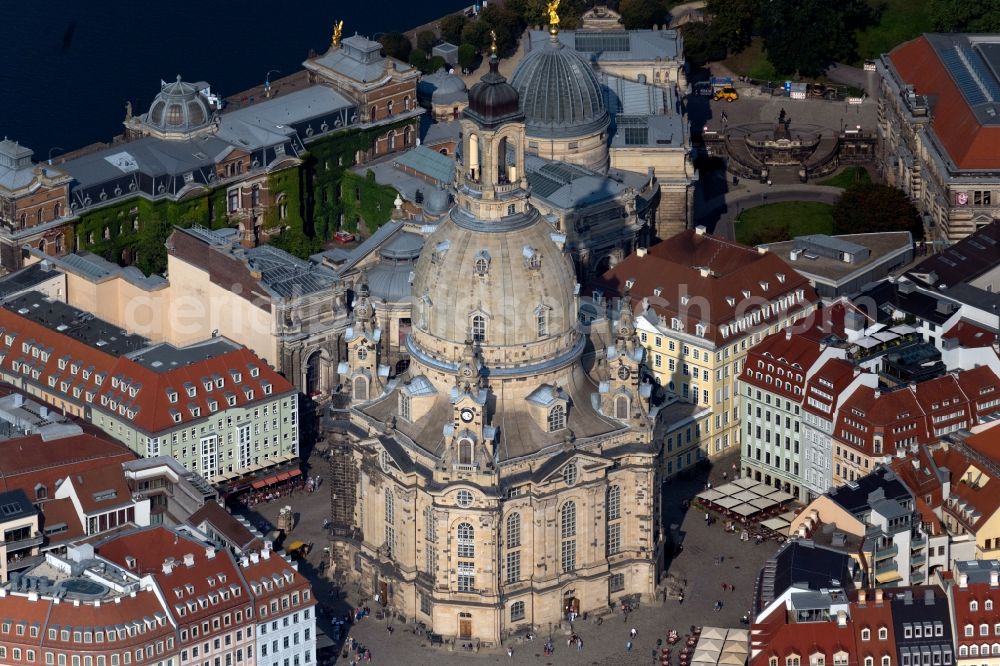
(179, 107)
(559, 93)
(493, 101)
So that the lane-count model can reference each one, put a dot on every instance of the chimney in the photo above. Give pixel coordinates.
(862, 596)
(761, 250)
(841, 618)
(705, 271)
(878, 394)
(244, 560)
(701, 230)
(254, 558)
(878, 595)
(963, 580)
(266, 553)
(168, 565)
(640, 252)
(788, 334)
(189, 559)
(994, 577)
(209, 552)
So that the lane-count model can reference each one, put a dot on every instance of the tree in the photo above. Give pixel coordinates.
(426, 40)
(418, 58)
(875, 208)
(965, 15)
(467, 57)
(806, 36)
(507, 24)
(732, 22)
(396, 45)
(451, 28)
(700, 45)
(476, 33)
(640, 14)
(434, 64)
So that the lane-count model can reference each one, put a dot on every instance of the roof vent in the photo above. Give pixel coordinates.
(701, 230)
(189, 559)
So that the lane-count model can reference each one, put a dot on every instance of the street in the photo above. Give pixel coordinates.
(603, 643)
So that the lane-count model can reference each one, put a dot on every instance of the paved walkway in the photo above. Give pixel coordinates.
(602, 644)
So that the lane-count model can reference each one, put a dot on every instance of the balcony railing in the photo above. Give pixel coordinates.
(885, 566)
(882, 552)
(27, 542)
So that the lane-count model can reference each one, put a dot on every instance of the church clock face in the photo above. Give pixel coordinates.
(623, 372)
(467, 415)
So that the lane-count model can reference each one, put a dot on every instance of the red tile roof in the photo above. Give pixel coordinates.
(778, 364)
(206, 577)
(60, 512)
(111, 379)
(970, 335)
(101, 489)
(28, 461)
(832, 379)
(981, 495)
(969, 144)
(720, 278)
(224, 523)
(275, 569)
(980, 593)
(987, 443)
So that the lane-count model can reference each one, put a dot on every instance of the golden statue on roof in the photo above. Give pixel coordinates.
(552, 8)
(338, 30)
(493, 42)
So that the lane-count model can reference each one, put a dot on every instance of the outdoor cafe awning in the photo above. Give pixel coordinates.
(745, 483)
(709, 645)
(710, 495)
(781, 496)
(763, 502)
(746, 496)
(729, 488)
(738, 635)
(745, 510)
(777, 525)
(713, 632)
(735, 646)
(732, 659)
(726, 502)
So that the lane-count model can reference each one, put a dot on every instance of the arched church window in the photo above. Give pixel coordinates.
(478, 328)
(392, 140)
(360, 388)
(465, 452)
(542, 321)
(514, 530)
(466, 540)
(621, 407)
(557, 418)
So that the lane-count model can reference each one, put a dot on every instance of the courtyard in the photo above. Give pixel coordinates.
(709, 557)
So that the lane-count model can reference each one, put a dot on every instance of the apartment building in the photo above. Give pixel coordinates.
(701, 303)
(973, 587)
(20, 530)
(286, 610)
(214, 406)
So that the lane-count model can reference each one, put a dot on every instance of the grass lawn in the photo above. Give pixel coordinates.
(783, 221)
(753, 62)
(847, 177)
(901, 21)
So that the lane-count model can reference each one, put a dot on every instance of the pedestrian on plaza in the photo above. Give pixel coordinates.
(633, 633)
(579, 644)
(628, 647)
(510, 652)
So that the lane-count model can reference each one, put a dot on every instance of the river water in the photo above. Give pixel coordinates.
(67, 67)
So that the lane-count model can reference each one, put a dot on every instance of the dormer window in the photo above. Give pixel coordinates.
(781, 278)
(482, 263)
(172, 396)
(254, 371)
(191, 390)
(231, 400)
(213, 406)
(267, 388)
(175, 415)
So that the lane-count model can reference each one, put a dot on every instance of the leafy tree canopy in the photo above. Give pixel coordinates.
(426, 40)
(640, 14)
(806, 36)
(732, 22)
(396, 45)
(965, 15)
(451, 28)
(700, 45)
(874, 208)
(467, 56)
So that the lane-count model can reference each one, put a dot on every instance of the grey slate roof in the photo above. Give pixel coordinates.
(358, 58)
(286, 275)
(615, 45)
(269, 123)
(16, 168)
(568, 185)
(430, 163)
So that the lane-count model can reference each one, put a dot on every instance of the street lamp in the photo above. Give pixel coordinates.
(50, 152)
(267, 81)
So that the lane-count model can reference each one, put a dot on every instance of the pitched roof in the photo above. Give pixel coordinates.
(136, 385)
(276, 569)
(970, 335)
(223, 523)
(964, 261)
(974, 488)
(101, 489)
(779, 364)
(60, 521)
(204, 578)
(832, 378)
(719, 278)
(969, 143)
(28, 461)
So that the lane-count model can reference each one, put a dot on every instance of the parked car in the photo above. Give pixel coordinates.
(728, 94)
(343, 237)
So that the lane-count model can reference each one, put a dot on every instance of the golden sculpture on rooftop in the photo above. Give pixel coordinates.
(338, 30)
(552, 8)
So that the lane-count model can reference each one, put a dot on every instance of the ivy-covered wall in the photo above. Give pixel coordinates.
(134, 232)
(316, 194)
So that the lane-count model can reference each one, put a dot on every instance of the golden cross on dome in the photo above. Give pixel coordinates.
(493, 41)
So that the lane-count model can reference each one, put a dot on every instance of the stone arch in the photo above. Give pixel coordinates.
(313, 371)
(621, 407)
(360, 385)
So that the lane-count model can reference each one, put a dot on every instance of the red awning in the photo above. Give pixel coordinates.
(295, 472)
(257, 485)
(282, 476)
